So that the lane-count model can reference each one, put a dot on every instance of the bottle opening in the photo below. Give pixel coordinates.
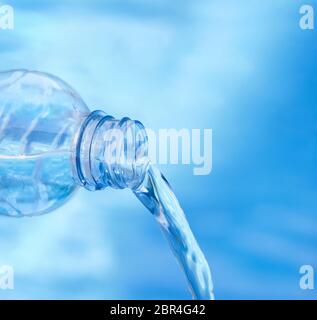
(110, 152)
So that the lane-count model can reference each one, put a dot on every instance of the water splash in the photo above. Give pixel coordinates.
(157, 196)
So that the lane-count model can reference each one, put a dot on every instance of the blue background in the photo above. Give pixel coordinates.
(244, 69)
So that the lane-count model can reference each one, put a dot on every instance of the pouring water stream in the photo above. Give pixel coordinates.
(157, 196)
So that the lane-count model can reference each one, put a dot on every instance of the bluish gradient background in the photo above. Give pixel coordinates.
(244, 69)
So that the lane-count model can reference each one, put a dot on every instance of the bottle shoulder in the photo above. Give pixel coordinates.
(39, 113)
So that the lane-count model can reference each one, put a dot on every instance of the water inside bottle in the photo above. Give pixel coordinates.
(157, 196)
(34, 184)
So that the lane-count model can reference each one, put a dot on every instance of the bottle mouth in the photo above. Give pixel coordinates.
(110, 152)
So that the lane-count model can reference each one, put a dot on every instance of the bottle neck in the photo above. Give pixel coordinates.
(110, 152)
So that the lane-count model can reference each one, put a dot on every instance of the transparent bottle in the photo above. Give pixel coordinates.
(50, 143)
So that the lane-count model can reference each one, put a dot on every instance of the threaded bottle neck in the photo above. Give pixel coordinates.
(110, 152)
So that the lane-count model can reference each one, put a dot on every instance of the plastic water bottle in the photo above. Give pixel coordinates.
(50, 143)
